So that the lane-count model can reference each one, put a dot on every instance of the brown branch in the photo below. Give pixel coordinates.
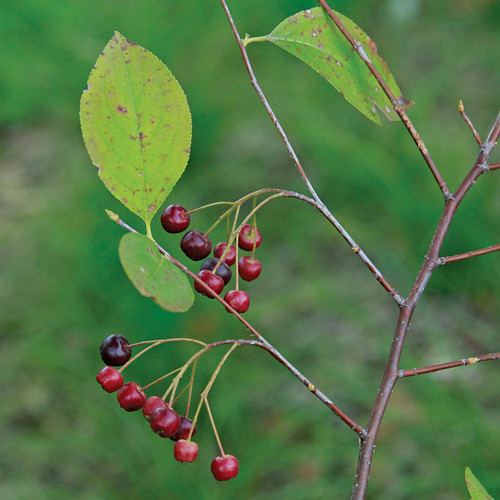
(493, 166)
(261, 342)
(391, 374)
(468, 255)
(318, 202)
(468, 121)
(444, 366)
(398, 107)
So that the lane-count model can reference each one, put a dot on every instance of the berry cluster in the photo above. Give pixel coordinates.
(164, 420)
(215, 272)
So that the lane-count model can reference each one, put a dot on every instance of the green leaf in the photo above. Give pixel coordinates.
(153, 274)
(136, 125)
(476, 489)
(313, 37)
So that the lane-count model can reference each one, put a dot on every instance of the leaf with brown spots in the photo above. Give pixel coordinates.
(153, 274)
(314, 38)
(136, 125)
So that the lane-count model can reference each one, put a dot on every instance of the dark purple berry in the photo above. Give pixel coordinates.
(196, 245)
(223, 271)
(115, 350)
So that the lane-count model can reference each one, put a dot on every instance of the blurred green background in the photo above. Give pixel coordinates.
(62, 289)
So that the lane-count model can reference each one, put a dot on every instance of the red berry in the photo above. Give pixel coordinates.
(175, 219)
(185, 451)
(110, 379)
(223, 271)
(131, 397)
(238, 300)
(115, 350)
(249, 237)
(224, 468)
(230, 257)
(249, 268)
(165, 422)
(196, 245)
(212, 280)
(183, 430)
(151, 404)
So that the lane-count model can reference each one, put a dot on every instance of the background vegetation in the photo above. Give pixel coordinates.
(62, 289)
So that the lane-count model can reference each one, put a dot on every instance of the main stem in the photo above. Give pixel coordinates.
(430, 263)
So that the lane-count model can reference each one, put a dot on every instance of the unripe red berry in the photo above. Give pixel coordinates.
(212, 280)
(238, 300)
(224, 468)
(185, 451)
(175, 219)
(230, 257)
(110, 379)
(165, 422)
(249, 268)
(131, 397)
(249, 237)
(196, 245)
(151, 404)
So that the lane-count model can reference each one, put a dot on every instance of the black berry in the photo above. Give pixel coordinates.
(223, 271)
(115, 350)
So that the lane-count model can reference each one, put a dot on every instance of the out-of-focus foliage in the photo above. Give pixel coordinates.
(62, 288)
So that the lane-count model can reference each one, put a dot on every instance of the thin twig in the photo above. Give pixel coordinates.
(398, 108)
(444, 366)
(468, 255)
(468, 121)
(318, 202)
(261, 342)
(493, 166)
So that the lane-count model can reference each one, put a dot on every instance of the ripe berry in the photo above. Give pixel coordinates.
(212, 280)
(223, 271)
(249, 237)
(183, 430)
(174, 219)
(151, 404)
(110, 379)
(238, 300)
(165, 422)
(115, 350)
(224, 468)
(230, 257)
(196, 245)
(185, 451)
(131, 397)
(249, 268)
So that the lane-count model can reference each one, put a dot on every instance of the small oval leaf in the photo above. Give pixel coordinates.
(136, 125)
(153, 274)
(476, 489)
(314, 38)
